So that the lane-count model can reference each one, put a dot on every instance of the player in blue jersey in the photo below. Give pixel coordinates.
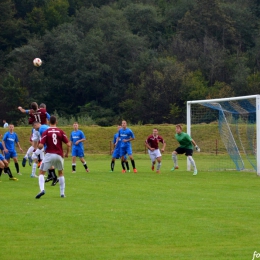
(38, 155)
(77, 138)
(126, 136)
(9, 141)
(1, 147)
(116, 151)
(4, 164)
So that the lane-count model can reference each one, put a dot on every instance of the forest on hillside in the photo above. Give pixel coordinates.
(106, 60)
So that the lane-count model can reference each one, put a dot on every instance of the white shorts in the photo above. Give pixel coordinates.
(154, 154)
(35, 154)
(36, 137)
(52, 159)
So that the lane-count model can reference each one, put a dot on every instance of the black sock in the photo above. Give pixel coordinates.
(1, 171)
(127, 165)
(123, 165)
(39, 158)
(133, 163)
(8, 171)
(73, 167)
(112, 165)
(53, 174)
(16, 167)
(85, 165)
(50, 174)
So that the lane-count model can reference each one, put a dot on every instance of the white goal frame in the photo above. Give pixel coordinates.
(256, 97)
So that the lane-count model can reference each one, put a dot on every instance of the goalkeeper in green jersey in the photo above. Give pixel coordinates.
(186, 147)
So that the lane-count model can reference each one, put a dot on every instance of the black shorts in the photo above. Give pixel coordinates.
(181, 150)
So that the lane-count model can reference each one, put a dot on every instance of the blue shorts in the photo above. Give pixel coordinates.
(125, 150)
(116, 154)
(10, 154)
(1, 157)
(77, 152)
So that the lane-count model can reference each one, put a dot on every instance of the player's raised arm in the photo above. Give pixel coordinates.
(22, 109)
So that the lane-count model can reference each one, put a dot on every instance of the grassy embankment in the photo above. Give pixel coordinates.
(99, 138)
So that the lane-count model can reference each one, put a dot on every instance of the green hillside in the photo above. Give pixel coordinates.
(99, 138)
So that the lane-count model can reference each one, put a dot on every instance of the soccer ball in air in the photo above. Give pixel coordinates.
(37, 62)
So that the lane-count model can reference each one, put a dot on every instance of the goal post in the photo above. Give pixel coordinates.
(234, 124)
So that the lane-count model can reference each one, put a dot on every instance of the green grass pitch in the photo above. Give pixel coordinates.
(172, 215)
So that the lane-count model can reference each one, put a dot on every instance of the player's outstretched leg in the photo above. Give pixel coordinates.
(123, 166)
(153, 163)
(195, 171)
(84, 164)
(73, 168)
(175, 161)
(41, 185)
(17, 168)
(34, 167)
(62, 186)
(55, 178)
(50, 176)
(133, 165)
(28, 156)
(127, 166)
(158, 167)
(11, 177)
(112, 165)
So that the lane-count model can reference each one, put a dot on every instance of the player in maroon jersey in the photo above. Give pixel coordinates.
(38, 114)
(35, 115)
(152, 143)
(53, 137)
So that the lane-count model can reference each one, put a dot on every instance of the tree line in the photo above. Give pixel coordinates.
(138, 60)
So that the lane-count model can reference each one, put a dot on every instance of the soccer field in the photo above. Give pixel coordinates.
(172, 215)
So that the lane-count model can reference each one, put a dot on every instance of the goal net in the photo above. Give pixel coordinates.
(227, 131)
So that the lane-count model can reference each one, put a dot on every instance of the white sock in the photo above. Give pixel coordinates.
(34, 168)
(175, 160)
(159, 166)
(42, 154)
(41, 182)
(29, 152)
(62, 185)
(192, 162)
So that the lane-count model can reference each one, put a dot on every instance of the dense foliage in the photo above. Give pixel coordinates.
(138, 60)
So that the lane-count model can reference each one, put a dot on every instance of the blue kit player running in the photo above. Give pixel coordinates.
(116, 151)
(126, 136)
(9, 140)
(77, 139)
